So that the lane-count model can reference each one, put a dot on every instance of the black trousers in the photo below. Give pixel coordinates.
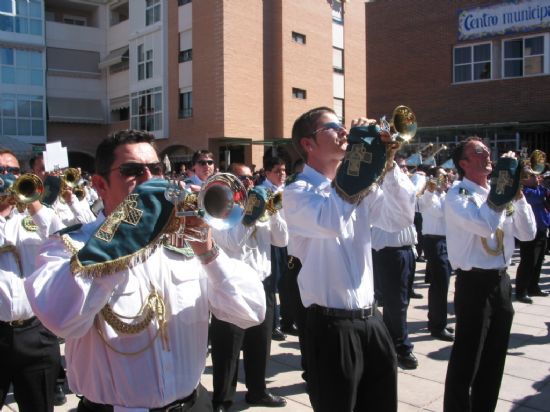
(531, 259)
(282, 282)
(484, 316)
(418, 227)
(29, 359)
(297, 307)
(395, 267)
(227, 341)
(435, 249)
(352, 365)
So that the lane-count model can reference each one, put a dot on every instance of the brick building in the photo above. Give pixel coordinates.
(465, 67)
(227, 75)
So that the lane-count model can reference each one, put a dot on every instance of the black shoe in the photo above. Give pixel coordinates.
(407, 361)
(59, 397)
(416, 295)
(524, 299)
(278, 335)
(290, 330)
(267, 399)
(443, 335)
(450, 329)
(220, 408)
(538, 293)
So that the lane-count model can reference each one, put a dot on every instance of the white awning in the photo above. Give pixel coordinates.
(66, 110)
(114, 57)
(118, 103)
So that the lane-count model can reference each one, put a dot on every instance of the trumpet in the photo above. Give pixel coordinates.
(438, 183)
(70, 177)
(403, 122)
(416, 158)
(534, 164)
(221, 203)
(21, 191)
(431, 158)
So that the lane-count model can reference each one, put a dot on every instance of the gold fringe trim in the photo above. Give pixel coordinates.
(69, 244)
(125, 262)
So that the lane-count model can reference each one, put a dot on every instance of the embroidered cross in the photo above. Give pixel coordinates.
(357, 155)
(502, 181)
(252, 202)
(126, 212)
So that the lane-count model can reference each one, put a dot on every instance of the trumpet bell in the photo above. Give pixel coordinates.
(71, 177)
(537, 161)
(223, 199)
(404, 123)
(27, 188)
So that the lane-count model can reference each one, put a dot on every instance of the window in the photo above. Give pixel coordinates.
(21, 67)
(152, 11)
(185, 55)
(524, 57)
(182, 2)
(21, 16)
(146, 109)
(75, 20)
(337, 12)
(298, 38)
(339, 108)
(145, 63)
(338, 60)
(186, 105)
(472, 63)
(298, 93)
(21, 115)
(120, 115)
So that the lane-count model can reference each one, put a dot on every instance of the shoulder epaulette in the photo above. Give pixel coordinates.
(463, 192)
(185, 251)
(291, 179)
(69, 229)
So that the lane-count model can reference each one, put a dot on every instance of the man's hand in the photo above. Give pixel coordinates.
(67, 195)
(196, 228)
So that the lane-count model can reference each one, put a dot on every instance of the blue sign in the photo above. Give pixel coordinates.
(503, 18)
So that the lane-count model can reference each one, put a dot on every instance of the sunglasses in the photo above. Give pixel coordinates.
(205, 162)
(337, 127)
(138, 169)
(242, 178)
(10, 169)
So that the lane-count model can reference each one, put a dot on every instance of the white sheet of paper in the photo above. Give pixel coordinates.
(55, 157)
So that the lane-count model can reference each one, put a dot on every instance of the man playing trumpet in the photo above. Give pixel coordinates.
(331, 237)
(134, 310)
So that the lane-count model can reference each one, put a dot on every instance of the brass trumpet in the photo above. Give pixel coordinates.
(221, 203)
(26, 189)
(273, 204)
(70, 177)
(534, 164)
(403, 122)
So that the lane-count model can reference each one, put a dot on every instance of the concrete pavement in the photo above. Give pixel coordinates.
(525, 386)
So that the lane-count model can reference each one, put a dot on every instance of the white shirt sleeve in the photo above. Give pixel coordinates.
(279, 231)
(525, 225)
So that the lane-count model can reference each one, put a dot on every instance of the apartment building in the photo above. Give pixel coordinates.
(227, 75)
(465, 67)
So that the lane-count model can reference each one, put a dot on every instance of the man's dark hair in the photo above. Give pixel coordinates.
(33, 160)
(271, 162)
(458, 153)
(305, 125)
(105, 153)
(201, 153)
(7, 151)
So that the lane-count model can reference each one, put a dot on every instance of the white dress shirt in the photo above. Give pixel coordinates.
(14, 267)
(432, 206)
(469, 219)
(77, 212)
(252, 244)
(68, 305)
(403, 237)
(332, 239)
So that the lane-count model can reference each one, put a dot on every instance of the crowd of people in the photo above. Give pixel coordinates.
(141, 295)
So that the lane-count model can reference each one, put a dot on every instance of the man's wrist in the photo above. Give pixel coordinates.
(210, 255)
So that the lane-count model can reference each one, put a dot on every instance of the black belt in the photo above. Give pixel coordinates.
(498, 272)
(344, 313)
(397, 247)
(181, 405)
(434, 236)
(18, 323)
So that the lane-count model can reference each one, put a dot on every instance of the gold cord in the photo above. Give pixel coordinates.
(499, 236)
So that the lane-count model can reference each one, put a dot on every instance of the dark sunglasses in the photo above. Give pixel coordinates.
(242, 178)
(331, 125)
(138, 169)
(205, 162)
(10, 169)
